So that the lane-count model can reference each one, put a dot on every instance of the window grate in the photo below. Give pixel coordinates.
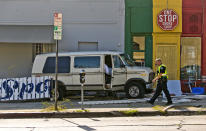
(40, 48)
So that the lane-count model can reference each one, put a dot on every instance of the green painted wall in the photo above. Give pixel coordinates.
(138, 3)
(139, 22)
(148, 52)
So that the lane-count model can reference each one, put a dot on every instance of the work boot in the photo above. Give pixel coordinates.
(148, 101)
(168, 103)
(107, 86)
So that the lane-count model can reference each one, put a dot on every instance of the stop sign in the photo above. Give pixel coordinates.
(167, 19)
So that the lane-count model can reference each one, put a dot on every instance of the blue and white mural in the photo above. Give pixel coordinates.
(24, 88)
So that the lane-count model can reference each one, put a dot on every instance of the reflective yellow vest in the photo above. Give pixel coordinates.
(163, 74)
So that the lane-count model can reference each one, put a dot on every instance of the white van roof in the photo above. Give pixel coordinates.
(83, 53)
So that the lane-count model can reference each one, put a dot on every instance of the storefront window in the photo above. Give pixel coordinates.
(190, 58)
(139, 50)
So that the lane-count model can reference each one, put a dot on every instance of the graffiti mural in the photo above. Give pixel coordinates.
(24, 88)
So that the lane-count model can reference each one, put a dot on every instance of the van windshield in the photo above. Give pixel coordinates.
(127, 60)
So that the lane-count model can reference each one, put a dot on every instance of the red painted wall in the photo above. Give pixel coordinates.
(191, 3)
(192, 21)
(192, 17)
(204, 41)
(194, 24)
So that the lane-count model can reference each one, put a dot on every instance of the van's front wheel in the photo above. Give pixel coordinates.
(135, 90)
(60, 92)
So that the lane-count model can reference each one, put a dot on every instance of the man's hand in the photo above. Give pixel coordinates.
(153, 81)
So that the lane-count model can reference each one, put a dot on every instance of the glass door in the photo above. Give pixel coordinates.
(190, 58)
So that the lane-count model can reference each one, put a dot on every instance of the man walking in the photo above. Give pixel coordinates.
(162, 82)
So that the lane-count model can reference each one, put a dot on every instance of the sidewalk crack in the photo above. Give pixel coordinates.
(180, 125)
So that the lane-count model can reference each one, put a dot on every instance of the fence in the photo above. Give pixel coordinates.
(27, 88)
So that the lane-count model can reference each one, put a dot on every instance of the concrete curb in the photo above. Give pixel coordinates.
(94, 114)
(56, 115)
(169, 113)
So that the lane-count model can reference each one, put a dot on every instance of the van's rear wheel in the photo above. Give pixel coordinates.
(135, 90)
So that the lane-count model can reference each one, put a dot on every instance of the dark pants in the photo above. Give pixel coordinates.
(161, 85)
(108, 79)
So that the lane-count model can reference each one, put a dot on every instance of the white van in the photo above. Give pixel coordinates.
(125, 76)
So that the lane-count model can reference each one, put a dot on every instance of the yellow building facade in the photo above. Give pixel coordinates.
(167, 29)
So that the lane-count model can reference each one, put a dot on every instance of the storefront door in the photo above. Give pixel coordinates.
(168, 54)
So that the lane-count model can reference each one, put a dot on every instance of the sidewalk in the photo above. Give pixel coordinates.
(184, 105)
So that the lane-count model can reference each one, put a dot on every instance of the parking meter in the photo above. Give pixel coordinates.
(82, 76)
(82, 81)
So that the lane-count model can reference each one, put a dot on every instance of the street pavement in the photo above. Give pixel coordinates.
(183, 105)
(154, 123)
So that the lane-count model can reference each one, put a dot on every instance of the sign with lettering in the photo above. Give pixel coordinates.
(25, 88)
(167, 19)
(57, 26)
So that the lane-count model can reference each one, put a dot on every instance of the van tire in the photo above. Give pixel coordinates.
(134, 90)
(60, 92)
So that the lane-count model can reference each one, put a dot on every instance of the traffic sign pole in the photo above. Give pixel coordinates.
(57, 36)
(56, 76)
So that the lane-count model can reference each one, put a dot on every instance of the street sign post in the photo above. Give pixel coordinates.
(57, 36)
(167, 19)
(57, 26)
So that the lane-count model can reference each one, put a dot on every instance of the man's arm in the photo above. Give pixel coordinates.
(156, 78)
(162, 70)
(106, 68)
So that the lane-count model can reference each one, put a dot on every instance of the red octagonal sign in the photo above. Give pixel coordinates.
(167, 19)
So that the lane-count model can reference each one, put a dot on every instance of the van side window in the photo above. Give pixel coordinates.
(63, 65)
(87, 62)
(117, 62)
